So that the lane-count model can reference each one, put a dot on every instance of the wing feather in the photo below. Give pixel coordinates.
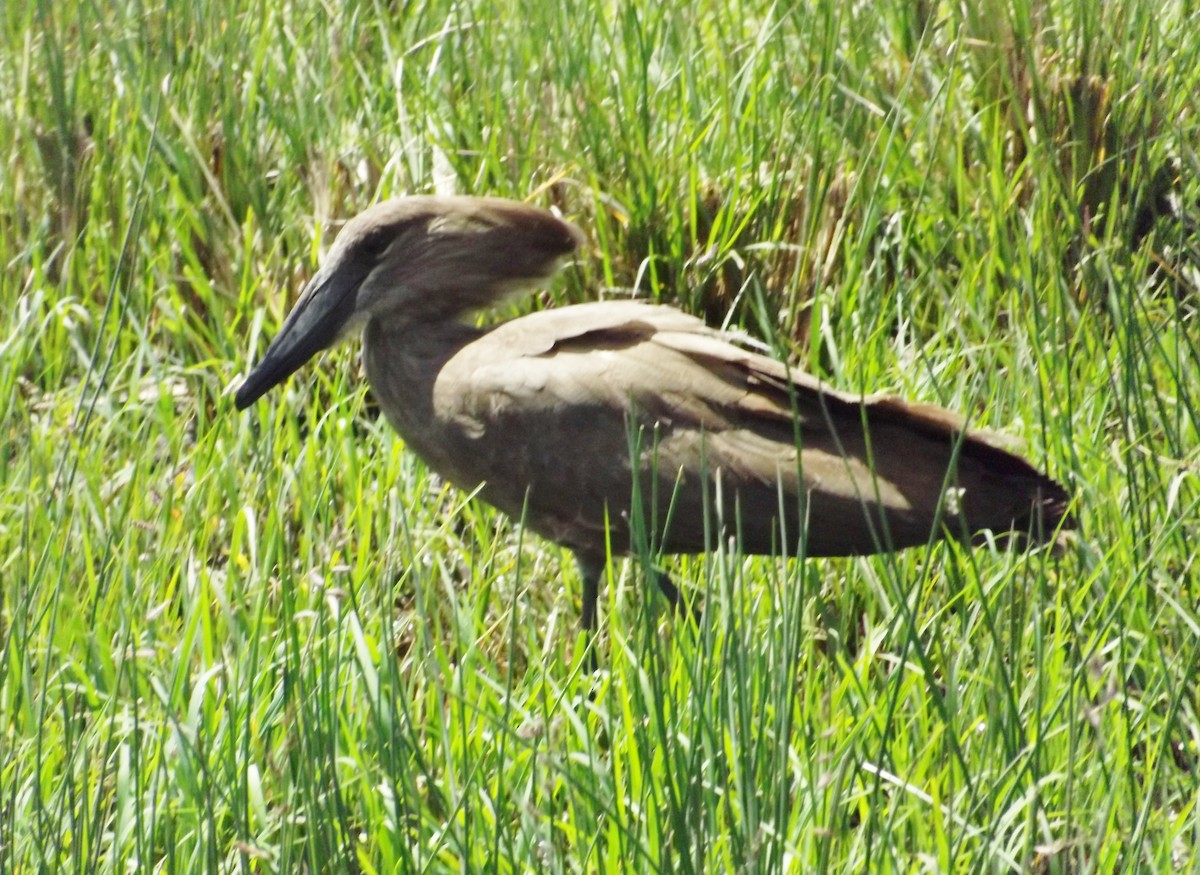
(572, 403)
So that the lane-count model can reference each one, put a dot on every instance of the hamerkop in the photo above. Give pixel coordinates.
(562, 417)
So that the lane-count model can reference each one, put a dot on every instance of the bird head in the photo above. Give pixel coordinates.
(419, 259)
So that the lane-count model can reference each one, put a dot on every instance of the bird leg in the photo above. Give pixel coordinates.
(589, 571)
(674, 596)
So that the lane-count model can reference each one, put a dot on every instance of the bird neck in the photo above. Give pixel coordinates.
(403, 359)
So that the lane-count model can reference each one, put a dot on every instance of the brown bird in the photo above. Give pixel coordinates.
(596, 420)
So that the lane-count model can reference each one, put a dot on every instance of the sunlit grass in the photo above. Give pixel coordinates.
(275, 642)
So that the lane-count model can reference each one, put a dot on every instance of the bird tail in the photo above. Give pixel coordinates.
(1024, 506)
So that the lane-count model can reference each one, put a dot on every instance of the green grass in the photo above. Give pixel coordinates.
(274, 642)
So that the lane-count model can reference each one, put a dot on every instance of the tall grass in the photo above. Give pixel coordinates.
(274, 642)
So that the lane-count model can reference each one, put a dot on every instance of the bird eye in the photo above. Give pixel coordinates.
(375, 243)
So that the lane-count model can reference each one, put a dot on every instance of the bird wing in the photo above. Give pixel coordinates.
(562, 408)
